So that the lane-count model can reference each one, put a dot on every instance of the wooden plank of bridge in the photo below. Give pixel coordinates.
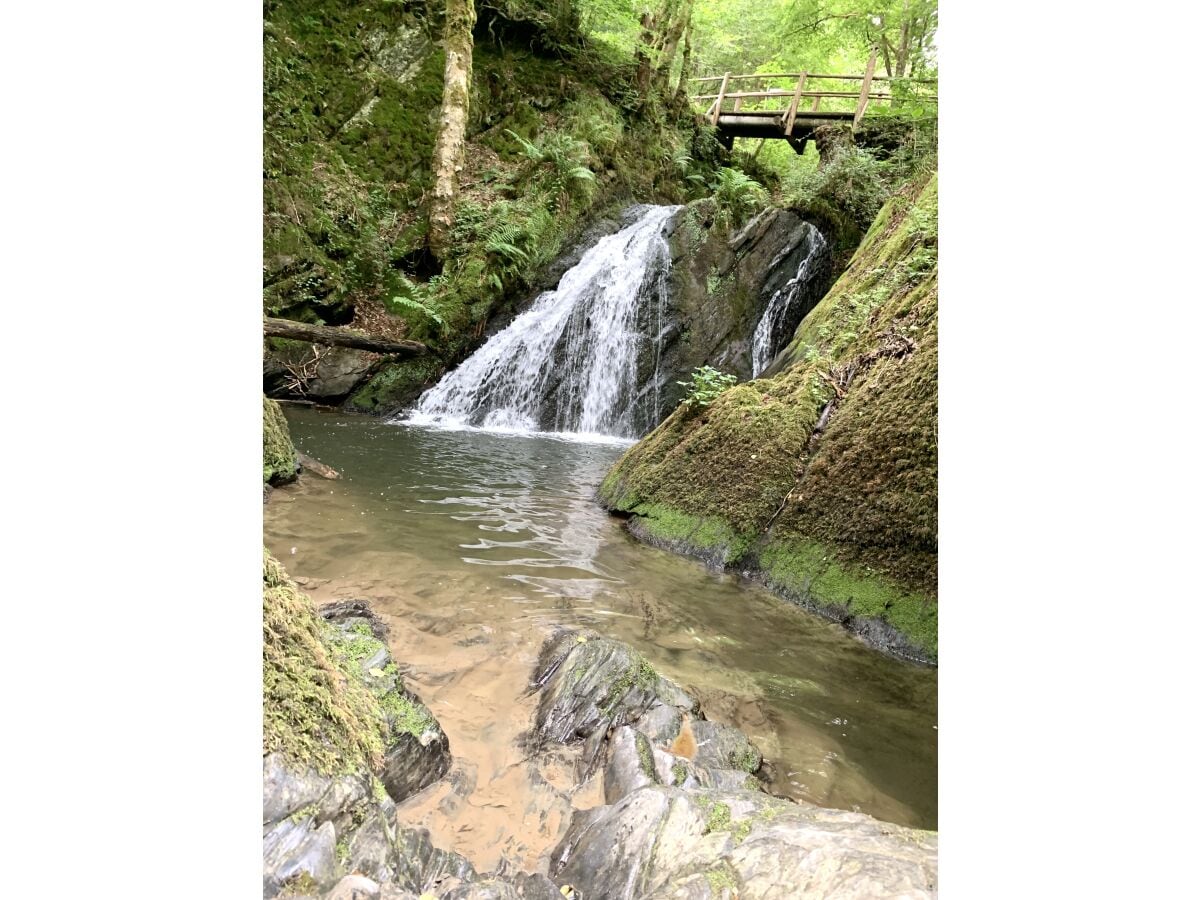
(866, 90)
(720, 97)
(791, 113)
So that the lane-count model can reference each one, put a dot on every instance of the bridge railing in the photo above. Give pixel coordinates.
(791, 95)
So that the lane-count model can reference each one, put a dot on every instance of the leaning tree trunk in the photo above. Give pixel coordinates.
(452, 124)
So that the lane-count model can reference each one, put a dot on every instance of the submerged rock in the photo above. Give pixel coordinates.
(590, 683)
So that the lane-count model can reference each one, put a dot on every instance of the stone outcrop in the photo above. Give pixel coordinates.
(721, 282)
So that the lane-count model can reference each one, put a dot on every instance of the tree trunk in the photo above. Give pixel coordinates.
(452, 124)
(340, 337)
(902, 48)
(887, 59)
(643, 54)
(672, 34)
(681, 92)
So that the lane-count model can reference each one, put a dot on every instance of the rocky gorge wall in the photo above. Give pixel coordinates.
(820, 478)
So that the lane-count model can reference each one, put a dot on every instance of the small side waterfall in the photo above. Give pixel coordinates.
(583, 358)
(790, 303)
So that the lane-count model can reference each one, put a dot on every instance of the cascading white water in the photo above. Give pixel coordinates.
(770, 327)
(583, 358)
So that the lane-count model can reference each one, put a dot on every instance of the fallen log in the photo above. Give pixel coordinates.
(316, 466)
(339, 337)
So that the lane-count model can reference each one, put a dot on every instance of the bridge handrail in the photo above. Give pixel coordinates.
(815, 75)
(864, 94)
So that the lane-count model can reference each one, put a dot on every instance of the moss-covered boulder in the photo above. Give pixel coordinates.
(395, 385)
(343, 741)
(279, 456)
(821, 476)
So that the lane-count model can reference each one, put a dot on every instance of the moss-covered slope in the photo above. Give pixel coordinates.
(821, 476)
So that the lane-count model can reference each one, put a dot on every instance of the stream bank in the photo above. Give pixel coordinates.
(623, 789)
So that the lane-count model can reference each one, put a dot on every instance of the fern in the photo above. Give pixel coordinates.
(418, 300)
(560, 164)
(737, 195)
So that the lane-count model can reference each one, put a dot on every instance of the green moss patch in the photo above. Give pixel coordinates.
(279, 456)
(316, 710)
(395, 385)
(811, 572)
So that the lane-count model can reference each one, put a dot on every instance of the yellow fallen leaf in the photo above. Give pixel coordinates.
(377, 672)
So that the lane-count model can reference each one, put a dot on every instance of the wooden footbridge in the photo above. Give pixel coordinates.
(788, 106)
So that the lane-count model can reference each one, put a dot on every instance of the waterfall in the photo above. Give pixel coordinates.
(583, 359)
(783, 313)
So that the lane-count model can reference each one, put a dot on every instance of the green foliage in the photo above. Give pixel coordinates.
(559, 163)
(418, 300)
(737, 195)
(851, 180)
(706, 385)
(595, 122)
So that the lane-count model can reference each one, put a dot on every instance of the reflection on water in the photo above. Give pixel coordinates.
(469, 534)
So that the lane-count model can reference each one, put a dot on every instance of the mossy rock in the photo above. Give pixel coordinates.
(316, 709)
(279, 455)
(395, 386)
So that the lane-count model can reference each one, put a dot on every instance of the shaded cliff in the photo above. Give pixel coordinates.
(820, 478)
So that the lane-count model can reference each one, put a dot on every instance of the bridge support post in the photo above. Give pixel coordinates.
(865, 94)
(790, 122)
(716, 116)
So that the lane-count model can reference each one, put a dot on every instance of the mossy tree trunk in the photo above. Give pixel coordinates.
(685, 71)
(679, 22)
(452, 123)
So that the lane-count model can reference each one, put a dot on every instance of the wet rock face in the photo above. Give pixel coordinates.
(328, 374)
(318, 828)
(419, 751)
(685, 814)
(590, 684)
(721, 283)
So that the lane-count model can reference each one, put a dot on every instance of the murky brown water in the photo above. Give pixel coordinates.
(474, 546)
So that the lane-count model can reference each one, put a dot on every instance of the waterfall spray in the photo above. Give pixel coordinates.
(583, 358)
